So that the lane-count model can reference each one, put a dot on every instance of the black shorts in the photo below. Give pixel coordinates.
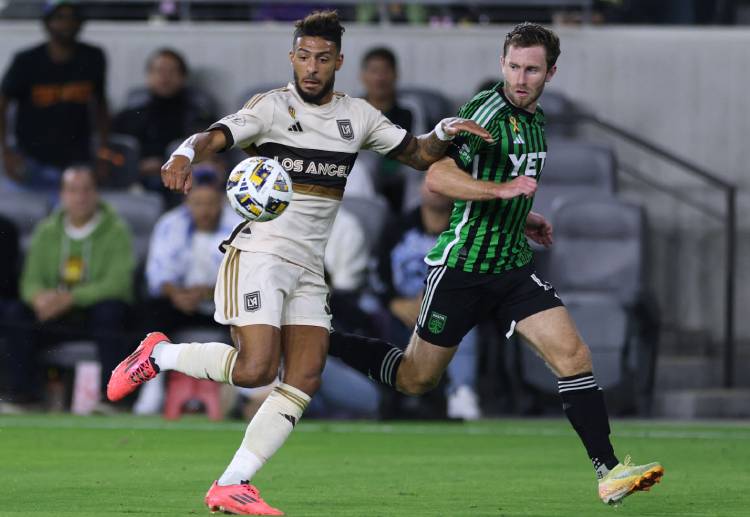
(455, 301)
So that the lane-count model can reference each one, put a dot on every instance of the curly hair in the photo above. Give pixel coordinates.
(528, 34)
(324, 24)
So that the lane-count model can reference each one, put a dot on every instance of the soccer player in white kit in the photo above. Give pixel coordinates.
(270, 288)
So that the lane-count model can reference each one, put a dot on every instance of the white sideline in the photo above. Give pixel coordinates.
(437, 429)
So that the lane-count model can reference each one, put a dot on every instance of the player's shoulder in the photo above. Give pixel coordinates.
(275, 95)
(359, 108)
(484, 106)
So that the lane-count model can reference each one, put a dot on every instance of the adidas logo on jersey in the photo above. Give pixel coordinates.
(295, 128)
(518, 140)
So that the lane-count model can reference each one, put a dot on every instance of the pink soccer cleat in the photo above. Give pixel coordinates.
(242, 499)
(135, 369)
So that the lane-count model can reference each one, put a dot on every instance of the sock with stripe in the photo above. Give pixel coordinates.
(212, 361)
(583, 403)
(376, 358)
(266, 433)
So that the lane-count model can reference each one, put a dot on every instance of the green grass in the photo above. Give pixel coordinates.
(62, 465)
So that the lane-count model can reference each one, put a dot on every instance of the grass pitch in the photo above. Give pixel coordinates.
(54, 465)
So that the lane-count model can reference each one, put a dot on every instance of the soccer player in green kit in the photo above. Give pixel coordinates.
(483, 264)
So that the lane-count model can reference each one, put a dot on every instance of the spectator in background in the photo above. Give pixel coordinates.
(55, 85)
(400, 283)
(76, 282)
(378, 73)
(168, 111)
(9, 260)
(9, 255)
(184, 256)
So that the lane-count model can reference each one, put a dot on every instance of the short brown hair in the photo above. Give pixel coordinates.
(528, 34)
(324, 24)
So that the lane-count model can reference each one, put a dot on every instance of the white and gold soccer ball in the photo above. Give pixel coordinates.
(259, 189)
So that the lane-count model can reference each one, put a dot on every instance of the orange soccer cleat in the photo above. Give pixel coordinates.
(135, 369)
(242, 499)
(626, 479)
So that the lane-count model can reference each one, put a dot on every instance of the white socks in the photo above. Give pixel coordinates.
(213, 361)
(267, 431)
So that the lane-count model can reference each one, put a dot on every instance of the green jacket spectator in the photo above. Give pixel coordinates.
(76, 284)
(95, 268)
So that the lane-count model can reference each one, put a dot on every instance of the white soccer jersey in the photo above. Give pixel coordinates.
(317, 145)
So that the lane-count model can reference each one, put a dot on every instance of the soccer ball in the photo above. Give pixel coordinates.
(259, 189)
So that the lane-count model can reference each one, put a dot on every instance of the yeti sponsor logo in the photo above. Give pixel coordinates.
(345, 128)
(252, 301)
(534, 163)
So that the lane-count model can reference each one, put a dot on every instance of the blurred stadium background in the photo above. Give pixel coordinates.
(647, 122)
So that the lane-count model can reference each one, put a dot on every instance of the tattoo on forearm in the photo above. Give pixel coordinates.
(423, 151)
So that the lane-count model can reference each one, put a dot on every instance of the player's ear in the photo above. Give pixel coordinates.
(339, 61)
(291, 56)
(550, 73)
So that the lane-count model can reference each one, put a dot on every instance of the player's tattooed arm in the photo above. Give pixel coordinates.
(176, 174)
(423, 151)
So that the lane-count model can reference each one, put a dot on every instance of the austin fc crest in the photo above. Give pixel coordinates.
(436, 323)
(252, 301)
(345, 129)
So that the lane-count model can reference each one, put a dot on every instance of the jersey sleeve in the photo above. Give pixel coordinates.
(466, 145)
(244, 127)
(383, 136)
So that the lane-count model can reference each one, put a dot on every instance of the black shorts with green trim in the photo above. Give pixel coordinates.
(455, 301)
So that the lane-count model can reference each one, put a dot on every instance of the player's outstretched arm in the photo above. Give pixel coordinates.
(425, 150)
(177, 173)
(446, 178)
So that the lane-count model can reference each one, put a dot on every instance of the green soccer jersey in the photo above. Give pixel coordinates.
(488, 236)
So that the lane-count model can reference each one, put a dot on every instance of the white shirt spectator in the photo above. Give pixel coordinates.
(180, 255)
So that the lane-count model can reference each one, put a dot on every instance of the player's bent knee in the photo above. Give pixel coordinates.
(309, 383)
(573, 360)
(418, 384)
(248, 375)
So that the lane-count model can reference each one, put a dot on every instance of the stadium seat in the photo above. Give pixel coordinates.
(25, 209)
(140, 211)
(599, 247)
(596, 265)
(82, 357)
(68, 353)
(561, 114)
(574, 168)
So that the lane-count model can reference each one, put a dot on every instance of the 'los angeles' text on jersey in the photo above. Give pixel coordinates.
(317, 145)
(488, 236)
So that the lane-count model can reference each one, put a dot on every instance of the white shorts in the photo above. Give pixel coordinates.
(255, 288)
